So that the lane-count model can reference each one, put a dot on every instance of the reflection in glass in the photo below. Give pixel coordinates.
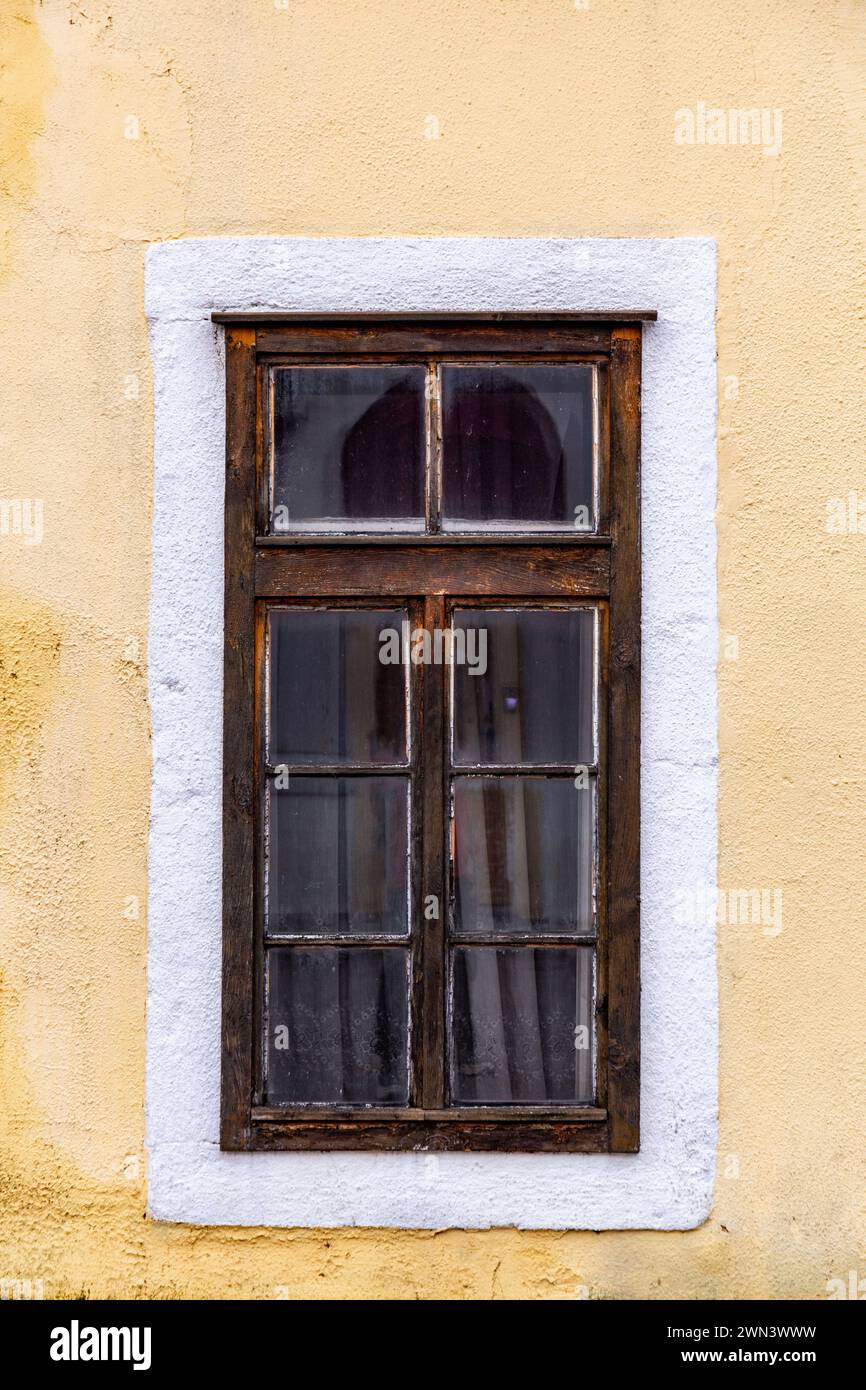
(349, 448)
(337, 1026)
(534, 702)
(337, 856)
(523, 855)
(517, 446)
(522, 1027)
(331, 698)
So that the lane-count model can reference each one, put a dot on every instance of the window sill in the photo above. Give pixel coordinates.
(583, 1130)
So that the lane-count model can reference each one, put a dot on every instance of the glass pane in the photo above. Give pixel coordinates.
(337, 856)
(522, 1028)
(332, 700)
(338, 1026)
(517, 446)
(533, 700)
(523, 855)
(349, 446)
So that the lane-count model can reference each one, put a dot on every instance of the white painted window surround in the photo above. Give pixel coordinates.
(669, 1183)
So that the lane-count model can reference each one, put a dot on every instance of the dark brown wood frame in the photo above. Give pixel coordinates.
(603, 567)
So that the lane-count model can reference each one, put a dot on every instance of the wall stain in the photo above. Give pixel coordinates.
(27, 74)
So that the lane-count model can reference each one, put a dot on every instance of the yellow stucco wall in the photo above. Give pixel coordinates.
(314, 119)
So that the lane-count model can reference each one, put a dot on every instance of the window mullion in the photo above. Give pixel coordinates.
(433, 907)
(433, 459)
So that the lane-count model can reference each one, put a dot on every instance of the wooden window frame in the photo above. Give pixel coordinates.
(496, 569)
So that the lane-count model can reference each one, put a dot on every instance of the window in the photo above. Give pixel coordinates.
(431, 733)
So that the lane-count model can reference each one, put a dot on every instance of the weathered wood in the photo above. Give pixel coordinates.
(480, 570)
(417, 679)
(432, 929)
(430, 573)
(239, 791)
(623, 840)
(486, 1114)
(517, 316)
(440, 340)
(446, 1136)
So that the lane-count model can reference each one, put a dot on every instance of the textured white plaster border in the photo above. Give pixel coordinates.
(669, 1183)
